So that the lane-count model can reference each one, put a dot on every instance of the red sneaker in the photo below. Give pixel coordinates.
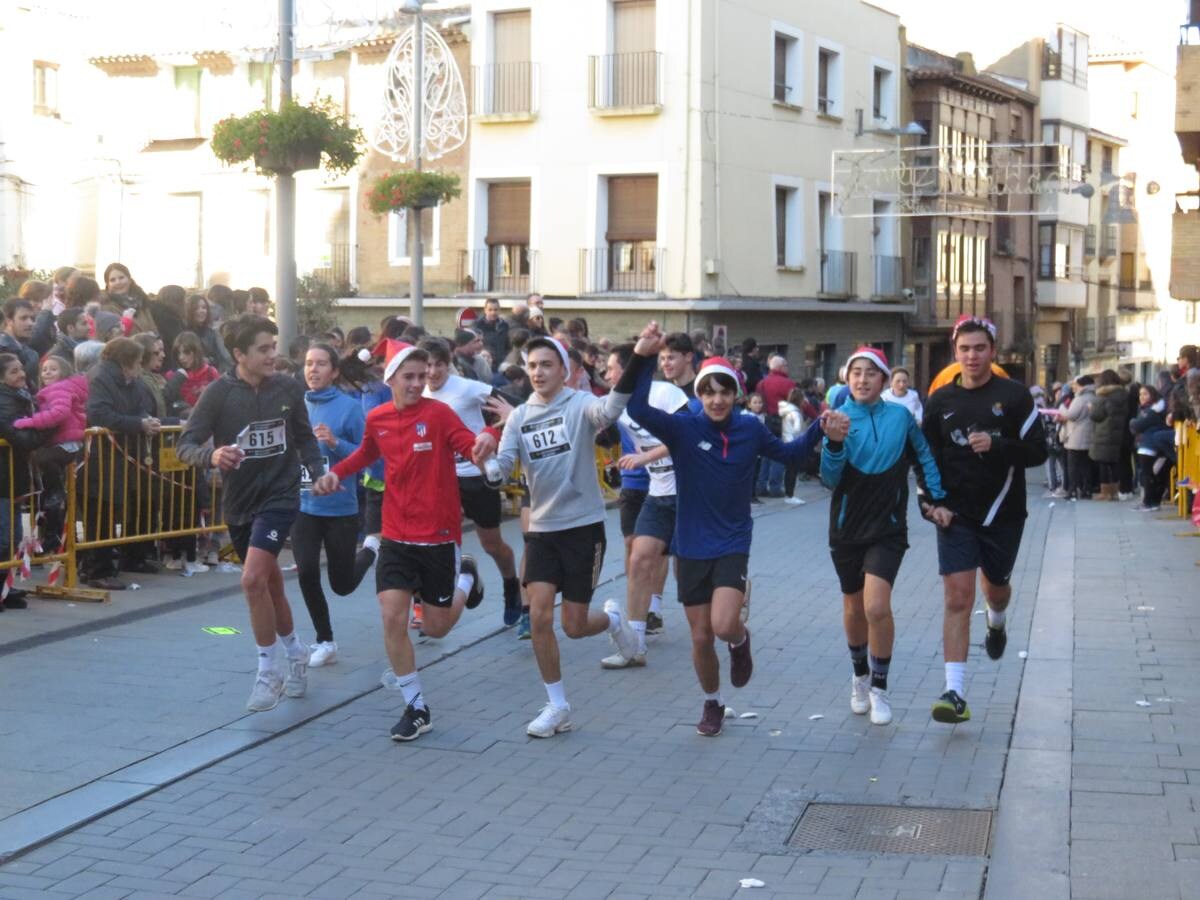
(711, 719)
(741, 663)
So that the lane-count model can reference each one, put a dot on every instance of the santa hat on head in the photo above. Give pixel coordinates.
(873, 355)
(718, 365)
(394, 353)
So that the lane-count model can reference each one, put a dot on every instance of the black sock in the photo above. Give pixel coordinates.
(879, 672)
(858, 656)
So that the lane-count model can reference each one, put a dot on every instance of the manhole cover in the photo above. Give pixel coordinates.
(892, 829)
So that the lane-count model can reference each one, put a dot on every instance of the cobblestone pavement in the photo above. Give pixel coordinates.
(634, 804)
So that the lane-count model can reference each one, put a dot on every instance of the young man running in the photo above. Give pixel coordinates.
(260, 433)
(984, 433)
(420, 441)
(552, 435)
(480, 503)
(654, 528)
(713, 452)
(868, 534)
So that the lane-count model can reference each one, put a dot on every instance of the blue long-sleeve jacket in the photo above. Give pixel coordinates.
(344, 416)
(714, 469)
(868, 473)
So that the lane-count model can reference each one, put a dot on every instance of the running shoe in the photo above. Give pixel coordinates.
(624, 638)
(16, 600)
(173, 565)
(711, 719)
(106, 583)
(296, 682)
(268, 686)
(1124, 495)
(551, 720)
(212, 559)
(654, 623)
(417, 620)
(881, 709)
(512, 600)
(194, 568)
(794, 501)
(323, 653)
(741, 663)
(621, 661)
(995, 641)
(524, 631)
(1141, 507)
(860, 694)
(413, 724)
(950, 708)
(475, 597)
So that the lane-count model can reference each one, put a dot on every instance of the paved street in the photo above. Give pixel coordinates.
(1093, 789)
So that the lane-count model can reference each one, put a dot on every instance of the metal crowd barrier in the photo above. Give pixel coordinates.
(1185, 480)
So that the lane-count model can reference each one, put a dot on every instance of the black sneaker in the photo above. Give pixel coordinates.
(512, 600)
(654, 623)
(475, 597)
(741, 663)
(950, 709)
(413, 724)
(16, 600)
(995, 642)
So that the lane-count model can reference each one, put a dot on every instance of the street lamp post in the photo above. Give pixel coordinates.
(415, 214)
(285, 193)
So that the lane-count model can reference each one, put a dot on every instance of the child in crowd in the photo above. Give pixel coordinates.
(187, 383)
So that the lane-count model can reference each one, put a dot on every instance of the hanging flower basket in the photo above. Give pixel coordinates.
(411, 190)
(289, 139)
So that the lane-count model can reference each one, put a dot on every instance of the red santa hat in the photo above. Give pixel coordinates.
(718, 365)
(873, 355)
(394, 353)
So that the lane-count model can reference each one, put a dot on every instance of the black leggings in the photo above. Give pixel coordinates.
(339, 535)
(1153, 484)
(1079, 473)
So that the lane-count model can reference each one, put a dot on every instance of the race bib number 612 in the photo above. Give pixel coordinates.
(545, 438)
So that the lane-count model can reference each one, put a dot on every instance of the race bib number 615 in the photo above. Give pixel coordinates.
(260, 439)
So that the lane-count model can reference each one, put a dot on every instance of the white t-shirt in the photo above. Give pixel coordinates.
(465, 397)
(910, 401)
(670, 399)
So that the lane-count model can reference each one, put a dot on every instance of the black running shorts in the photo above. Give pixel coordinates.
(853, 562)
(570, 560)
(699, 578)
(630, 503)
(480, 503)
(266, 531)
(427, 571)
(965, 546)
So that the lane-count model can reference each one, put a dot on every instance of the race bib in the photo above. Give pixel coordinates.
(546, 438)
(261, 439)
(661, 466)
(306, 479)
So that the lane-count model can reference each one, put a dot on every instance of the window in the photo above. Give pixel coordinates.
(1067, 159)
(186, 101)
(785, 83)
(883, 99)
(260, 76)
(45, 88)
(632, 232)
(829, 79)
(1065, 57)
(789, 238)
(1046, 250)
(1016, 130)
(508, 236)
(431, 230)
(1107, 155)
(1060, 251)
(511, 76)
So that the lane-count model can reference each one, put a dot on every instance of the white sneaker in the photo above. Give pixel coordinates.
(324, 653)
(212, 558)
(1061, 494)
(881, 709)
(550, 721)
(194, 568)
(624, 638)
(860, 691)
(794, 501)
(173, 565)
(265, 695)
(620, 661)
(1127, 495)
(297, 678)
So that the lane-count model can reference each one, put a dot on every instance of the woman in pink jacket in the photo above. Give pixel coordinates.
(62, 411)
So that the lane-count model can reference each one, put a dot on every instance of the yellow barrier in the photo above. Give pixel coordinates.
(1186, 475)
(20, 513)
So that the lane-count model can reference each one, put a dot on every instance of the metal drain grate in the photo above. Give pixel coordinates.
(892, 829)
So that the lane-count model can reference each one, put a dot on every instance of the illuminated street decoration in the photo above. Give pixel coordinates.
(444, 125)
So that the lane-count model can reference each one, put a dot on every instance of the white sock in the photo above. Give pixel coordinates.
(266, 658)
(956, 673)
(558, 695)
(465, 582)
(410, 687)
(716, 695)
(292, 646)
(656, 603)
(614, 622)
(371, 542)
(996, 617)
(639, 628)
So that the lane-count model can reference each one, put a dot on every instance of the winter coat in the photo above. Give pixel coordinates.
(1078, 419)
(16, 405)
(184, 388)
(1110, 420)
(62, 410)
(120, 405)
(28, 356)
(495, 338)
(793, 420)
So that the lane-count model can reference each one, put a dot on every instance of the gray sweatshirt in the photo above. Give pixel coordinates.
(554, 443)
(271, 426)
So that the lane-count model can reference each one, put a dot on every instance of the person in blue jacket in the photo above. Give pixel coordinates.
(868, 531)
(713, 452)
(330, 521)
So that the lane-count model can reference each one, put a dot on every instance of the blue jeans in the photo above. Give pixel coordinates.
(770, 478)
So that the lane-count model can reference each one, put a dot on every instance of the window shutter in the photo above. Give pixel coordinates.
(508, 213)
(632, 208)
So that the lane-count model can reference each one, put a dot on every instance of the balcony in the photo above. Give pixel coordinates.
(500, 269)
(889, 278)
(1136, 296)
(838, 274)
(625, 84)
(624, 267)
(333, 269)
(504, 92)
(1061, 288)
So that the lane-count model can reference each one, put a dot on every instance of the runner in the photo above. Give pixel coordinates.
(480, 503)
(676, 360)
(260, 434)
(654, 528)
(552, 435)
(984, 432)
(713, 452)
(331, 522)
(420, 441)
(868, 534)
